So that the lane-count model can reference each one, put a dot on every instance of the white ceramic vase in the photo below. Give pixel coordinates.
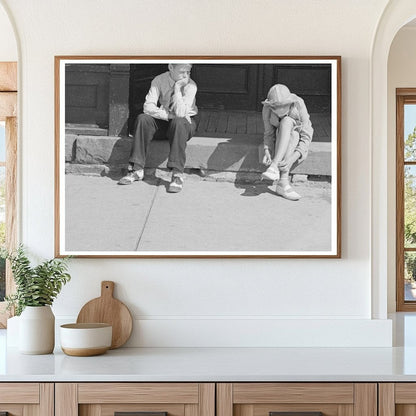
(37, 330)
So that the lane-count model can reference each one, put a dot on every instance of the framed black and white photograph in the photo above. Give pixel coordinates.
(198, 156)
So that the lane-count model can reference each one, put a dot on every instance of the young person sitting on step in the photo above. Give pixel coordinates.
(287, 135)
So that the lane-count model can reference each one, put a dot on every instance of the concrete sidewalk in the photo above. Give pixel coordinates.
(208, 215)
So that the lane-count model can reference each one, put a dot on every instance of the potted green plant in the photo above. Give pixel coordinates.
(36, 289)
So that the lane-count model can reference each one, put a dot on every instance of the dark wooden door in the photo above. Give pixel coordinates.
(310, 82)
(226, 86)
(229, 87)
(239, 87)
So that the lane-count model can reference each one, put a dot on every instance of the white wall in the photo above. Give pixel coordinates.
(8, 46)
(204, 302)
(401, 74)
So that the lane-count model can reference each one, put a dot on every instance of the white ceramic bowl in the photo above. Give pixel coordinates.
(85, 339)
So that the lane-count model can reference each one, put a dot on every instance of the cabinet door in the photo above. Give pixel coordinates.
(297, 399)
(397, 399)
(26, 399)
(141, 399)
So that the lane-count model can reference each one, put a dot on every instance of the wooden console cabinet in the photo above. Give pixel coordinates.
(208, 399)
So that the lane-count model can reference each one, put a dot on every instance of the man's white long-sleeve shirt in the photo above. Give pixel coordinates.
(171, 104)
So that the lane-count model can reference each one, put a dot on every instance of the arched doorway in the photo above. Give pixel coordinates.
(397, 14)
(401, 97)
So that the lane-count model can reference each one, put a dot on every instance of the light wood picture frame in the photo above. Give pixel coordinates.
(227, 207)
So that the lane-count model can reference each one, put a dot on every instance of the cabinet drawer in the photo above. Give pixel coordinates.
(144, 399)
(21, 399)
(138, 393)
(297, 399)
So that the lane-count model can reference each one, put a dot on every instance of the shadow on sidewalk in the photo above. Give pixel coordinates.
(118, 161)
(237, 155)
(256, 189)
(240, 158)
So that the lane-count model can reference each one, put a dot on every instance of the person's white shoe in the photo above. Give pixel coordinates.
(132, 176)
(176, 184)
(286, 191)
(271, 173)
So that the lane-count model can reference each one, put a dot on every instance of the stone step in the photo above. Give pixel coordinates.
(239, 153)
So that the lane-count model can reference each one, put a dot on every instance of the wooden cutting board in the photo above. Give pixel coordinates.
(109, 310)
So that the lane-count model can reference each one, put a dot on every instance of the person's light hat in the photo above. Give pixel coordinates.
(279, 95)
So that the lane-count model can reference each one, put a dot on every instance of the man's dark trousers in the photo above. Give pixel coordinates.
(177, 130)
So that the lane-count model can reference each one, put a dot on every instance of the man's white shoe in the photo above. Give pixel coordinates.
(132, 176)
(176, 184)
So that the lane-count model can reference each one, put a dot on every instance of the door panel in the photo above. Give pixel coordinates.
(310, 82)
(226, 86)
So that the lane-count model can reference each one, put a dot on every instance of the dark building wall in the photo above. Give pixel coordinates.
(87, 94)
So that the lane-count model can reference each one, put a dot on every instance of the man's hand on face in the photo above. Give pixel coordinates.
(182, 82)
